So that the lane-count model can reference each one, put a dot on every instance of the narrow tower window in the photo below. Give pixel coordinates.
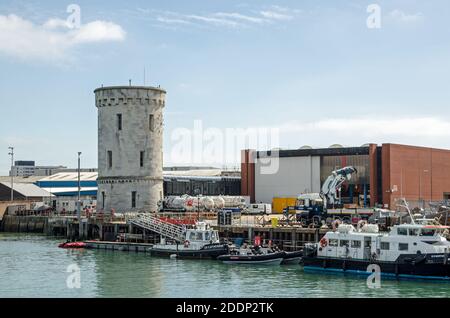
(109, 159)
(133, 199)
(151, 122)
(119, 121)
(141, 159)
(103, 200)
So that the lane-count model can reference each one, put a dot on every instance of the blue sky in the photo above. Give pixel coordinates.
(313, 70)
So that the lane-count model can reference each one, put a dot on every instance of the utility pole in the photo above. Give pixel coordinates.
(11, 153)
(80, 226)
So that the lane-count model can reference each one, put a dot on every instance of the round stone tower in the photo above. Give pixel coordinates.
(130, 156)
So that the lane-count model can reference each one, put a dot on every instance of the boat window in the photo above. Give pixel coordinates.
(427, 232)
(344, 243)
(334, 243)
(191, 236)
(356, 244)
(402, 246)
(384, 246)
(199, 236)
(402, 231)
(207, 236)
(413, 232)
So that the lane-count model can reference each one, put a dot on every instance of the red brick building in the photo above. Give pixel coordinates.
(385, 173)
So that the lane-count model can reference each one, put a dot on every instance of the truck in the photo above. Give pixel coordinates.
(312, 208)
(258, 208)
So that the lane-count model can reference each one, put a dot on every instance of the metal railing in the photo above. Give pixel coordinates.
(155, 224)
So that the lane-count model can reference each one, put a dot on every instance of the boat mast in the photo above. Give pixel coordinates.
(404, 204)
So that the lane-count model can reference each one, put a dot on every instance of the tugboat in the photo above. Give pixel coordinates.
(253, 255)
(417, 250)
(199, 242)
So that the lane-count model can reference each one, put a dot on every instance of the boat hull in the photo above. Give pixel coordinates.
(292, 258)
(208, 252)
(271, 262)
(428, 268)
(264, 259)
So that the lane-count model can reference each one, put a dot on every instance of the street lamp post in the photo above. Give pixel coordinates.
(11, 153)
(80, 226)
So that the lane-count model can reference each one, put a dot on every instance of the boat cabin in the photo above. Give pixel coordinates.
(367, 243)
(202, 234)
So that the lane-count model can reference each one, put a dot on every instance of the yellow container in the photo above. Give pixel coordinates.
(279, 204)
(274, 222)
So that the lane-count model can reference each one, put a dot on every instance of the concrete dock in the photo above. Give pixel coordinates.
(128, 237)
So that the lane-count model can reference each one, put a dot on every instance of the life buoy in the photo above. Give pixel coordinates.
(323, 242)
(186, 243)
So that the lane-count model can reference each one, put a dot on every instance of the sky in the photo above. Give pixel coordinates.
(291, 73)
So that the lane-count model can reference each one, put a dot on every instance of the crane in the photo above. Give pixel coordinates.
(333, 183)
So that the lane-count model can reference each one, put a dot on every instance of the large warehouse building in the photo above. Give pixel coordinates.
(385, 173)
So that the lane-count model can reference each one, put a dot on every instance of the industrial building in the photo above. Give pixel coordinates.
(23, 192)
(385, 173)
(29, 168)
(130, 156)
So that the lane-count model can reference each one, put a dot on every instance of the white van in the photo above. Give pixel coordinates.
(259, 208)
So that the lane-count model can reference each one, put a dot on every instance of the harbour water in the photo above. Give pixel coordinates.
(33, 266)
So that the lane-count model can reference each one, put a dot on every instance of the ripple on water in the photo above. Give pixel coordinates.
(33, 266)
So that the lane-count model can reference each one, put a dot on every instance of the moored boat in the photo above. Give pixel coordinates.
(72, 245)
(255, 255)
(408, 251)
(200, 242)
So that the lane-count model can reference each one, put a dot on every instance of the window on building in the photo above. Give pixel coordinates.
(343, 243)
(151, 122)
(402, 231)
(356, 244)
(141, 159)
(103, 199)
(384, 246)
(119, 121)
(402, 246)
(333, 242)
(133, 199)
(109, 159)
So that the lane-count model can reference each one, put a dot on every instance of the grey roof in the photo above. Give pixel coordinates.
(32, 179)
(28, 190)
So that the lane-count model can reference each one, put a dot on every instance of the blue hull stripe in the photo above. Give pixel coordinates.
(383, 274)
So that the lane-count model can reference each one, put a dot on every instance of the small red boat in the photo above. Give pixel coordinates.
(72, 245)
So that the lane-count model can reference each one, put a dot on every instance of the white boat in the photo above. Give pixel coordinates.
(199, 242)
(418, 250)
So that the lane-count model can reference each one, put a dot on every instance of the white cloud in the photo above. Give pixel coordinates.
(172, 21)
(403, 17)
(276, 15)
(239, 16)
(52, 40)
(228, 19)
(212, 20)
